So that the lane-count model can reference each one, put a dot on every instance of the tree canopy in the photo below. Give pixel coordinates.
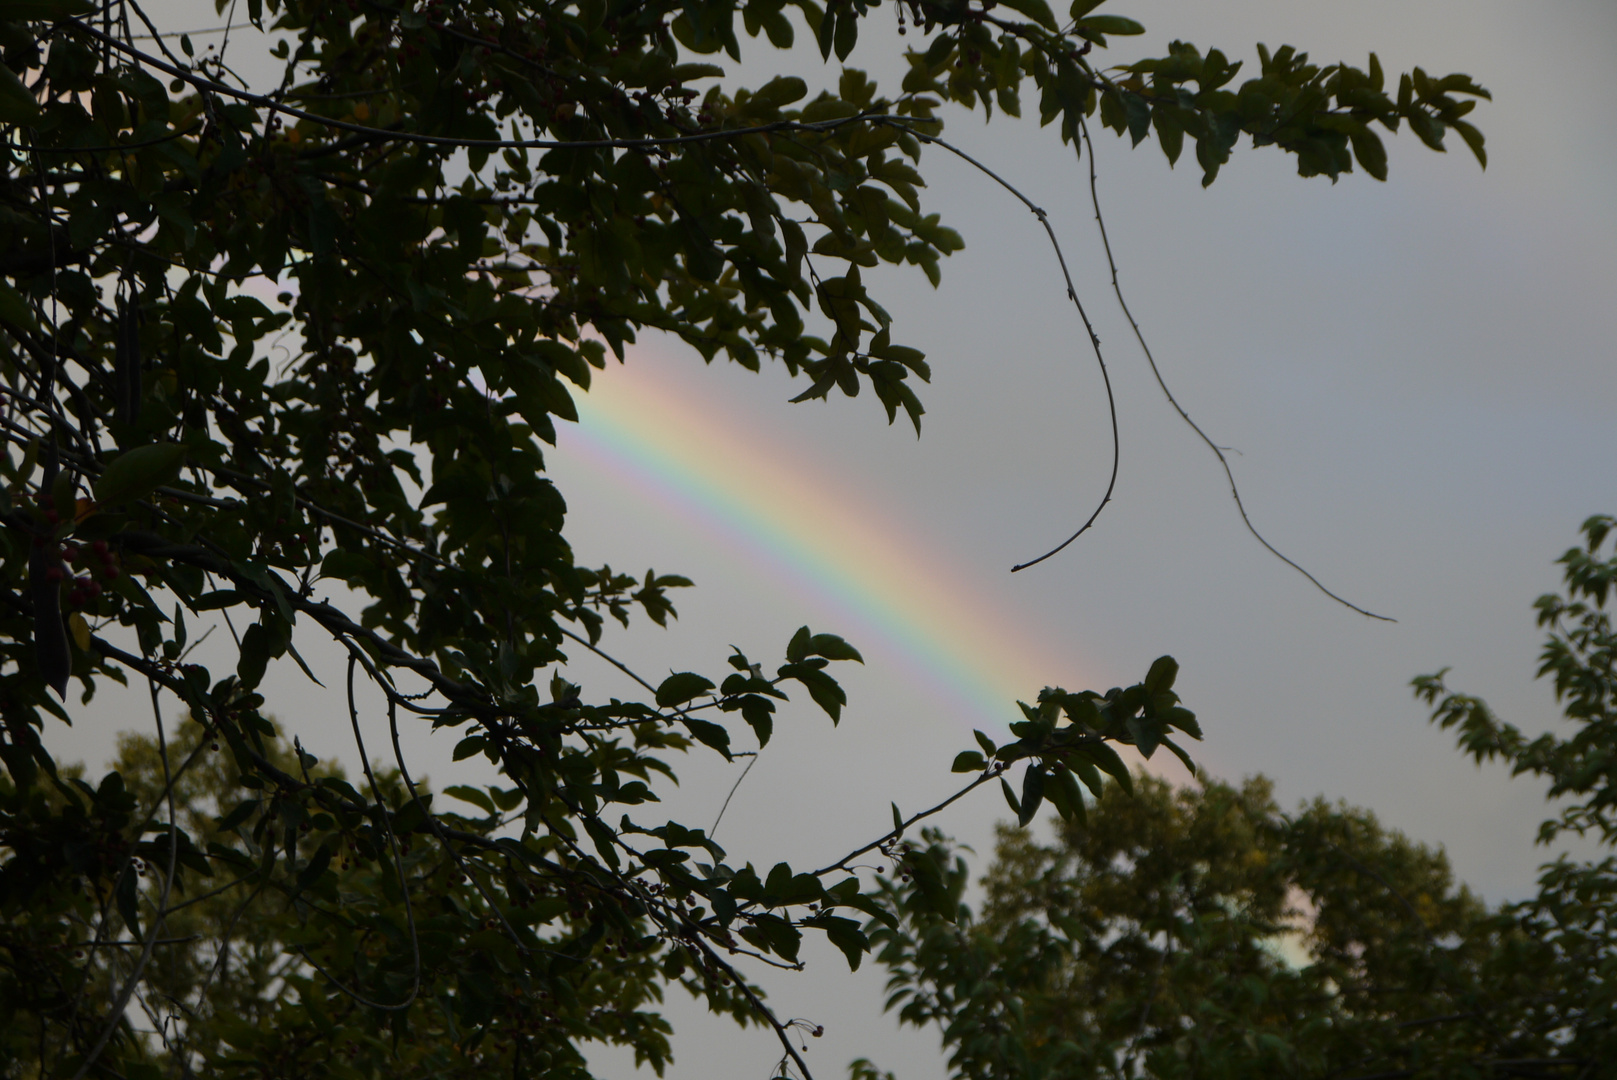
(264, 344)
(1204, 932)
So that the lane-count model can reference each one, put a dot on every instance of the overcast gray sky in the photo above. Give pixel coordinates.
(1418, 378)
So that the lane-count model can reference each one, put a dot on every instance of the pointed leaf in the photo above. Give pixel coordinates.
(968, 761)
(708, 734)
(1180, 754)
(1010, 798)
(17, 105)
(832, 647)
(476, 796)
(1037, 10)
(1065, 793)
(129, 901)
(1110, 24)
(681, 687)
(135, 474)
(1032, 793)
(1105, 757)
(1162, 674)
(797, 648)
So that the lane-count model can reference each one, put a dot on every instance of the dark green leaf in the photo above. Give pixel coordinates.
(1179, 752)
(709, 734)
(17, 105)
(1032, 794)
(681, 687)
(242, 811)
(797, 648)
(832, 647)
(472, 744)
(316, 866)
(1110, 24)
(1147, 733)
(846, 935)
(476, 796)
(1037, 10)
(129, 901)
(134, 474)
(779, 92)
(1010, 798)
(605, 842)
(1473, 139)
(1105, 757)
(254, 657)
(1064, 792)
(1164, 670)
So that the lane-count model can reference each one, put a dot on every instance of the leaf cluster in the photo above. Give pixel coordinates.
(1067, 735)
(1204, 932)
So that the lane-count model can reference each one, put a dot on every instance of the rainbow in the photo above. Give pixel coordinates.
(643, 429)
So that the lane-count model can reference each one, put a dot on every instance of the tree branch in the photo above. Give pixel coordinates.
(1106, 245)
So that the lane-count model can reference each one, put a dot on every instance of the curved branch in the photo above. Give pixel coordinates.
(1094, 197)
(431, 818)
(1072, 294)
(179, 134)
(757, 1003)
(398, 861)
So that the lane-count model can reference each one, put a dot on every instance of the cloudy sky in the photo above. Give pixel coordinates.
(1417, 377)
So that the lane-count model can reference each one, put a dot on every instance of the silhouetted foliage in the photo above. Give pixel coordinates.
(260, 346)
(1203, 932)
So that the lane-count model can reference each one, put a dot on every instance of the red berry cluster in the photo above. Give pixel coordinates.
(98, 559)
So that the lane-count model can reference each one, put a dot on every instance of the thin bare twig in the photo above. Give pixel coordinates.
(733, 787)
(1218, 452)
(431, 818)
(121, 1002)
(398, 861)
(842, 863)
(763, 1010)
(1072, 294)
(219, 957)
(614, 661)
